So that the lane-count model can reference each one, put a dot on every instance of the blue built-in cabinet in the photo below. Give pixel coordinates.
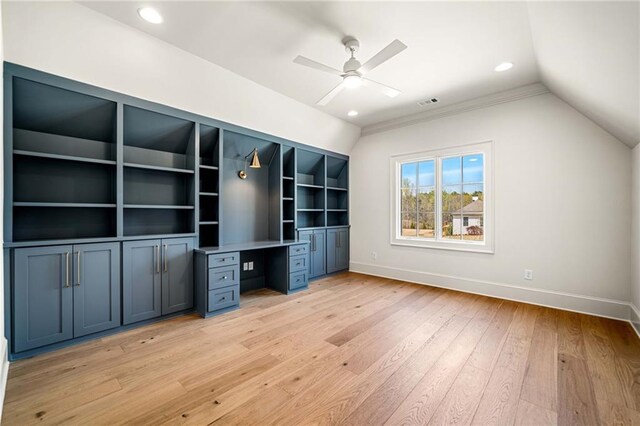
(62, 292)
(109, 199)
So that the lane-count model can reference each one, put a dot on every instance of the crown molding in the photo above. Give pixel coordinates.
(511, 95)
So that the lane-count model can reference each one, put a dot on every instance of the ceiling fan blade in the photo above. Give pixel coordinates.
(301, 60)
(395, 47)
(332, 94)
(389, 91)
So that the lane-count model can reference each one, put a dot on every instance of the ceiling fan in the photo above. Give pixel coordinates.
(353, 72)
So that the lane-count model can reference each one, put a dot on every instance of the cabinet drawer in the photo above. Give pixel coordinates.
(298, 249)
(299, 263)
(223, 277)
(298, 280)
(224, 259)
(223, 298)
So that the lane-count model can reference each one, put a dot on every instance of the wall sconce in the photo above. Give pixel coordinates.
(255, 163)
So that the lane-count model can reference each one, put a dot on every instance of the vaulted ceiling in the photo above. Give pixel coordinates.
(586, 53)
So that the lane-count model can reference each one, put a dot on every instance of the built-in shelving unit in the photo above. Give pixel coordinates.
(288, 193)
(158, 176)
(209, 185)
(64, 168)
(337, 191)
(310, 189)
(141, 184)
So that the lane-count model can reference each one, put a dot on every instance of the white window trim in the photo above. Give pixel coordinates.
(486, 246)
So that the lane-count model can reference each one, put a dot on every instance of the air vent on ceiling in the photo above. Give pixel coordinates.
(428, 102)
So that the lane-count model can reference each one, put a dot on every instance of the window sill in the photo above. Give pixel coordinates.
(438, 245)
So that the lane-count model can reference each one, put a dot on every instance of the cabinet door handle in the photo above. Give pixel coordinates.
(157, 259)
(66, 281)
(78, 270)
(338, 239)
(166, 263)
(313, 245)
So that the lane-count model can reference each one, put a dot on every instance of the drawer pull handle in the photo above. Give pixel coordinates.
(222, 298)
(223, 278)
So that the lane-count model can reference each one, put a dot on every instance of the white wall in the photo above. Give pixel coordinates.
(562, 207)
(635, 239)
(70, 40)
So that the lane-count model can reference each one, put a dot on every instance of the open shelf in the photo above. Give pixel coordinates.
(32, 223)
(157, 206)
(288, 162)
(337, 200)
(159, 168)
(310, 198)
(209, 181)
(310, 168)
(209, 167)
(151, 221)
(209, 147)
(310, 219)
(209, 209)
(157, 187)
(337, 173)
(158, 140)
(64, 205)
(288, 230)
(306, 185)
(62, 157)
(337, 218)
(47, 180)
(58, 121)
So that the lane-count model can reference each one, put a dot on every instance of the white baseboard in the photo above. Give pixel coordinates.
(4, 372)
(635, 318)
(607, 308)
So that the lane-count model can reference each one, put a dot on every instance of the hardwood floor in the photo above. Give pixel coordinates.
(355, 350)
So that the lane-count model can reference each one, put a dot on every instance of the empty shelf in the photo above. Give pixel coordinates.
(62, 157)
(160, 168)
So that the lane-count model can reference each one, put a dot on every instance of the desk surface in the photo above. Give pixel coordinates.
(255, 245)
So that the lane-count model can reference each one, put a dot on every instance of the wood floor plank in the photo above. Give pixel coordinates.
(531, 415)
(426, 397)
(353, 349)
(541, 376)
(499, 403)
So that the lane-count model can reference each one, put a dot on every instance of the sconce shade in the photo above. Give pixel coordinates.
(255, 161)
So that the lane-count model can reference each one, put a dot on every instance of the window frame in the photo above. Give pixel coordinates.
(437, 155)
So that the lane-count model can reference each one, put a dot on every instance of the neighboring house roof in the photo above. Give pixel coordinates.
(474, 207)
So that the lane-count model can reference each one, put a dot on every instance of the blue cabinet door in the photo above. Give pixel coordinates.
(337, 249)
(177, 274)
(96, 287)
(141, 280)
(317, 251)
(43, 296)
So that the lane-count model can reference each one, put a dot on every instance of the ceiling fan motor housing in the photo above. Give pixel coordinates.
(351, 65)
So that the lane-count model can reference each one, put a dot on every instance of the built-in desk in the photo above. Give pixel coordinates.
(222, 273)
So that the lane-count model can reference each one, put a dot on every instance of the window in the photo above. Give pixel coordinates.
(443, 199)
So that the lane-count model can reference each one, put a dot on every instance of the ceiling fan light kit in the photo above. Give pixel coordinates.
(353, 71)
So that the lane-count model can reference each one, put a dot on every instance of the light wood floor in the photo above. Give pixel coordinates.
(353, 350)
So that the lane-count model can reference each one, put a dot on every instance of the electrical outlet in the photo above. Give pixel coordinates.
(528, 274)
(245, 266)
(251, 266)
(374, 255)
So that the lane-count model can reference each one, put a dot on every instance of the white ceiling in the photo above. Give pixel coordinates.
(452, 50)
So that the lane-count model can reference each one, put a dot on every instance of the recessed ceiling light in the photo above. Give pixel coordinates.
(352, 113)
(504, 66)
(149, 14)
